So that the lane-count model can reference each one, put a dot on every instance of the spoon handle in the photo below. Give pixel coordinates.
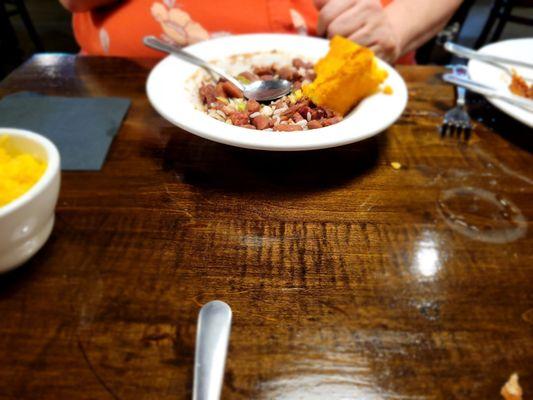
(214, 324)
(155, 43)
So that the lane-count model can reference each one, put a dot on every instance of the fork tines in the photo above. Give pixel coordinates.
(456, 123)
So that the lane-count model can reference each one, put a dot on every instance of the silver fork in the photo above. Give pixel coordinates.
(457, 121)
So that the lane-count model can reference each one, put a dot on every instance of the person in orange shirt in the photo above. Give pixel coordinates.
(392, 29)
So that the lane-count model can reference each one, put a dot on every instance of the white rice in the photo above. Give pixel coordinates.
(267, 111)
(281, 110)
(216, 115)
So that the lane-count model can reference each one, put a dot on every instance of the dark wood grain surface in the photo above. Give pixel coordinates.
(348, 278)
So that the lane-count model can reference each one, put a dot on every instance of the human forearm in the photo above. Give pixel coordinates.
(85, 5)
(417, 21)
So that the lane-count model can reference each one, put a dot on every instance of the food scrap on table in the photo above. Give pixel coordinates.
(18, 172)
(345, 76)
(520, 87)
(396, 165)
(512, 390)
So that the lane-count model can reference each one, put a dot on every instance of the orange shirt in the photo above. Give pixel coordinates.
(118, 30)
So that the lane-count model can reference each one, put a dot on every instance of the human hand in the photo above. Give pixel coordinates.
(363, 21)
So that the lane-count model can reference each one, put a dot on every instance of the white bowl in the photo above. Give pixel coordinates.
(167, 90)
(27, 221)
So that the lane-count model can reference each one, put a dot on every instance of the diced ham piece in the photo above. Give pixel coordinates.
(297, 63)
(286, 73)
(264, 70)
(207, 93)
(252, 106)
(297, 117)
(249, 76)
(314, 124)
(231, 90)
(239, 118)
(261, 122)
(331, 121)
(304, 110)
(219, 90)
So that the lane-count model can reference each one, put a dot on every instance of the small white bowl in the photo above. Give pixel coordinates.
(27, 221)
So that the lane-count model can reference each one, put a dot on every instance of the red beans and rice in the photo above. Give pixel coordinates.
(225, 102)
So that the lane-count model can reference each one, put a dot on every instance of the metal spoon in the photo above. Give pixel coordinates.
(214, 324)
(258, 90)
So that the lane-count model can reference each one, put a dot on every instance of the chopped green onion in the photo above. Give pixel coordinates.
(240, 105)
(243, 80)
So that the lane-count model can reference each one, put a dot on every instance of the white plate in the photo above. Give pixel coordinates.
(517, 49)
(166, 91)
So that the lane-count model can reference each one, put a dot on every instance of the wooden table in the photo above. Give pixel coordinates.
(348, 278)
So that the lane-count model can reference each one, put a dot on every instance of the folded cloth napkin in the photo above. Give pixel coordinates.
(81, 128)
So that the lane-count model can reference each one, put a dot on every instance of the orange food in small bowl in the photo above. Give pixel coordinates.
(19, 171)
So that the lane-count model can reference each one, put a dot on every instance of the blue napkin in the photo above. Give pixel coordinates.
(81, 128)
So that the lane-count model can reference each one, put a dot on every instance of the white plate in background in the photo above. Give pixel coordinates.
(517, 49)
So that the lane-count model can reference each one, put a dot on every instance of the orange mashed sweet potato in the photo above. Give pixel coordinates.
(18, 172)
(345, 76)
